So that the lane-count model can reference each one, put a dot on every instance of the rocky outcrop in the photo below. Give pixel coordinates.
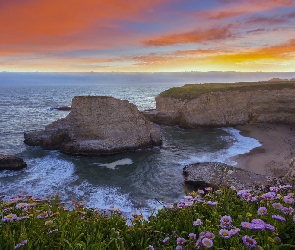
(97, 125)
(63, 108)
(220, 174)
(290, 176)
(10, 162)
(226, 108)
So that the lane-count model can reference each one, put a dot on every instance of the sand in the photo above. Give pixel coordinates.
(273, 156)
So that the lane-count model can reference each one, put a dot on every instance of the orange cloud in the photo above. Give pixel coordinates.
(244, 7)
(60, 34)
(273, 53)
(196, 36)
(59, 23)
(274, 57)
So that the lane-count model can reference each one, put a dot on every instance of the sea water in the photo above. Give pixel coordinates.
(138, 181)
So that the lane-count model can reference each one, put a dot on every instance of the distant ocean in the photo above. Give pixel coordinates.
(134, 181)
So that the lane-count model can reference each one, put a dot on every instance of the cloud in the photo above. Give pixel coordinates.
(238, 8)
(285, 51)
(196, 36)
(266, 21)
(290, 15)
(224, 59)
(58, 23)
(75, 34)
(256, 31)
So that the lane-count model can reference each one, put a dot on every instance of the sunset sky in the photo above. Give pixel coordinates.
(147, 35)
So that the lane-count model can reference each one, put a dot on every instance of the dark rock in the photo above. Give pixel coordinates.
(10, 162)
(97, 125)
(63, 108)
(219, 174)
(162, 118)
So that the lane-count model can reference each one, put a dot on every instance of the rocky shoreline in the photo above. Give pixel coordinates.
(105, 125)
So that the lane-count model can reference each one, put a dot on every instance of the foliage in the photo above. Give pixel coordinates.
(220, 219)
(192, 91)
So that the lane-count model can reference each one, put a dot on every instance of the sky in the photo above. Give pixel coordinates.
(147, 35)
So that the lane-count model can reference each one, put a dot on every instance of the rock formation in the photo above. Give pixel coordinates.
(220, 174)
(97, 125)
(10, 162)
(63, 108)
(290, 176)
(226, 108)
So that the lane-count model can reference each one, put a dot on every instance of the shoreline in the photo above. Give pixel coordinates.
(277, 149)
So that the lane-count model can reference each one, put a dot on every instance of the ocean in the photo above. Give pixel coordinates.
(140, 181)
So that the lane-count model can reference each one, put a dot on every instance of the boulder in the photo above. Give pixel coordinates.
(10, 162)
(219, 174)
(97, 125)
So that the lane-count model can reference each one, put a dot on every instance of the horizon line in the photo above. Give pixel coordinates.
(147, 72)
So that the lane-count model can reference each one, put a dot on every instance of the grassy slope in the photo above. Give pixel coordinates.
(192, 91)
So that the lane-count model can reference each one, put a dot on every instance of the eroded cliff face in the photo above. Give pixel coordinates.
(97, 125)
(226, 108)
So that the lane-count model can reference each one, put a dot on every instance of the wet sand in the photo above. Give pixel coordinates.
(273, 156)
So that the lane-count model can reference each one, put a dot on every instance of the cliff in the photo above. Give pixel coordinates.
(196, 105)
(97, 125)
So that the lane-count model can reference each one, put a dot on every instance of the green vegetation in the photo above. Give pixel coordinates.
(220, 219)
(192, 91)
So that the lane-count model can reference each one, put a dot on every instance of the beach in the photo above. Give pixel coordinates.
(273, 156)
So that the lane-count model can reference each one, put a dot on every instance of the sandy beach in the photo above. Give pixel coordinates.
(273, 156)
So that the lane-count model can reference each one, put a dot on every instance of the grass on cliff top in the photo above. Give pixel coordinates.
(192, 91)
(216, 219)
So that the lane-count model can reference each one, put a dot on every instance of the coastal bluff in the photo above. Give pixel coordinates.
(223, 104)
(97, 125)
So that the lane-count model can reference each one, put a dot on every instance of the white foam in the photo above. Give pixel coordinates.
(114, 164)
(47, 177)
(239, 145)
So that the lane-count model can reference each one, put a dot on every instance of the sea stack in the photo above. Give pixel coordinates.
(97, 125)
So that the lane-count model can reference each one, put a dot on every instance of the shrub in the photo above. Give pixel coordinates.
(192, 91)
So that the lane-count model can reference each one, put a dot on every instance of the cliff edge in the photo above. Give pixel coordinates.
(197, 105)
(97, 125)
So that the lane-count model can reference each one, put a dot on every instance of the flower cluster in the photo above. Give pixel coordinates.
(207, 218)
(205, 240)
(257, 224)
(228, 229)
(24, 242)
(14, 217)
(249, 241)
